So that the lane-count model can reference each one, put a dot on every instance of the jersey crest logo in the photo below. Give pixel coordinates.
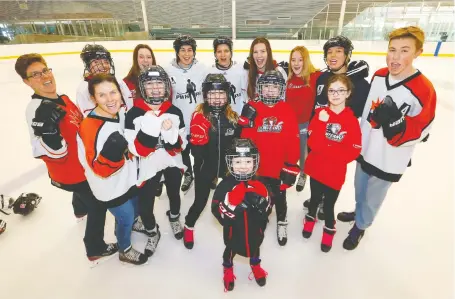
(374, 105)
(333, 132)
(75, 117)
(229, 132)
(173, 80)
(320, 88)
(271, 124)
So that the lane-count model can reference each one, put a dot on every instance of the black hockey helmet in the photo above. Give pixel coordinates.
(26, 203)
(216, 82)
(185, 40)
(274, 78)
(242, 147)
(222, 40)
(92, 52)
(339, 41)
(154, 73)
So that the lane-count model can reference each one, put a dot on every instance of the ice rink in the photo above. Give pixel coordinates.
(406, 254)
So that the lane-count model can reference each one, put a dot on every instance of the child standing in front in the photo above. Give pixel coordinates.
(335, 141)
(241, 204)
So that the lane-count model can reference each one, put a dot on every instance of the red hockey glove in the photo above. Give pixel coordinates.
(236, 196)
(258, 188)
(289, 175)
(199, 130)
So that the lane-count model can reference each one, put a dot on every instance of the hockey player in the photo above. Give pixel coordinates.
(241, 204)
(337, 57)
(213, 127)
(186, 75)
(334, 140)
(272, 126)
(155, 131)
(300, 94)
(97, 60)
(398, 114)
(110, 169)
(143, 58)
(232, 71)
(53, 121)
(259, 61)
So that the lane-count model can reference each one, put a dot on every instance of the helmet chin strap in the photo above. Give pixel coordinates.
(222, 68)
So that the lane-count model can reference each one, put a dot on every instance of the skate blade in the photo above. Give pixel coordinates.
(101, 260)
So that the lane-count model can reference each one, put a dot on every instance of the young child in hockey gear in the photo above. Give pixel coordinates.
(241, 204)
(186, 75)
(232, 71)
(300, 94)
(97, 60)
(259, 61)
(276, 134)
(143, 58)
(337, 57)
(53, 121)
(334, 140)
(213, 127)
(155, 131)
(110, 169)
(398, 114)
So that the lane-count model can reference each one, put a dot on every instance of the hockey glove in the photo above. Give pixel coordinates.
(390, 118)
(359, 68)
(258, 188)
(246, 64)
(236, 196)
(47, 116)
(288, 175)
(285, 66)
(246, 119)
(199, 130)
(115, 147)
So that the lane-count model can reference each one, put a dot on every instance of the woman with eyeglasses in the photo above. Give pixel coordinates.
(335, 141)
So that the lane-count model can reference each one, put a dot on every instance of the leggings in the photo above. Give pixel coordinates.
(318, 190)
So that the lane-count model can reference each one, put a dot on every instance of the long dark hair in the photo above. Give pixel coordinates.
(253, 70)
(135, 70)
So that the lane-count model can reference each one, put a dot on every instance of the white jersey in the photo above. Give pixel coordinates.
(187, 88)
(112, 182)
(85, 103)
(416, 99)
(156, 148)
(236, 76)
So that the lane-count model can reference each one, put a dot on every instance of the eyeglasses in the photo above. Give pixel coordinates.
(337, 92)
(37, 75)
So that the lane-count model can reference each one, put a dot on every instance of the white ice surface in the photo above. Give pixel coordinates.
(406, 254)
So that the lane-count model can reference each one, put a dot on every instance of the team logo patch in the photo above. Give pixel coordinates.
(271, 124)
(320, 88)
(173, 80)
(333, 132)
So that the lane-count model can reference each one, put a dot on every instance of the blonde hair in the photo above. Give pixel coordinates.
(231, 115)
(411, 31)
(308, 67)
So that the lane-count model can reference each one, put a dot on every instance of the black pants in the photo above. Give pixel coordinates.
(186, 157)
(330, 197)
(172, 179)
(96, 217)
(278, 197)
(229, 254)
(203, 178)
(79, 207)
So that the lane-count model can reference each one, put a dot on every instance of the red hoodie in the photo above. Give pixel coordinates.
(276, 135)
(333, 145)
(301, 96)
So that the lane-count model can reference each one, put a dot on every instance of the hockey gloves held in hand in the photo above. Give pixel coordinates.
(246, 119)
(390, 118)
(199, 130)
(115, 147)
(288, 175)
(47, 116)
(237, 194)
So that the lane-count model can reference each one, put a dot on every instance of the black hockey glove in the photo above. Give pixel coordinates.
(285, 66)
(288, 175)
(257, 202)
(47, 116)
(246, 64)
(390, 118)
(246, 119)
(115, 147)
(358, 68)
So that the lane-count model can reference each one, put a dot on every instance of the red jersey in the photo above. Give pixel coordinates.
(333, 145)
(63, 164)
(276, 135)
(131, 87)
(301, 96)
